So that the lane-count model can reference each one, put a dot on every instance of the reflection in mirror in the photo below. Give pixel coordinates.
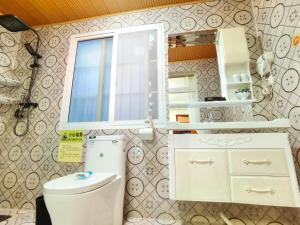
(198, 92)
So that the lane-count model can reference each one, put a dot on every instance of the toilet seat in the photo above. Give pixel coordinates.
(74, 184)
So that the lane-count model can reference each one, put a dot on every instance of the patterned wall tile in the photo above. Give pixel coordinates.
(206, 74)
(277, 23)
(9, 44)
(28, 162)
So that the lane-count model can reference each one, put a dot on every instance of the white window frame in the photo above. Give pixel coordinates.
(111, 124)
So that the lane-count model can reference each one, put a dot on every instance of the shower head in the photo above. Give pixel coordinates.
(31, 51)
(13, 23)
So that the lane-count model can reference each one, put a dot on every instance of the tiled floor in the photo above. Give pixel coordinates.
(150, 221)
(18, 217)
(140, 221)
(27, 217)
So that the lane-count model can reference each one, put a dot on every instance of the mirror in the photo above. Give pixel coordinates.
(209, 77)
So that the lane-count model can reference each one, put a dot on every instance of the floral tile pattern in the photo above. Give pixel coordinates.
(206, 74)
(277, 23)
(28, 162)
(18, 217)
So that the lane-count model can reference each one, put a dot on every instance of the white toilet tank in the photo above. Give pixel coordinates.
(106, 154)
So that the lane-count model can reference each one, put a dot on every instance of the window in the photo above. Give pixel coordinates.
(115, 79)
(91, 81)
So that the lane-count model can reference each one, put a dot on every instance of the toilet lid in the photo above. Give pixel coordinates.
(77, 183)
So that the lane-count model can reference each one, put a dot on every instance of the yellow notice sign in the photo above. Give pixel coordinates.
(70, 146)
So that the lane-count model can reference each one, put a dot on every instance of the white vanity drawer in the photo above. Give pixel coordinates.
(258, 162)
(262, 190)
(200, 173)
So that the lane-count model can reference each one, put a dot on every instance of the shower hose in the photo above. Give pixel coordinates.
(26, 106)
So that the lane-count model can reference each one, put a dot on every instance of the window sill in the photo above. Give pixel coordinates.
(107, 126)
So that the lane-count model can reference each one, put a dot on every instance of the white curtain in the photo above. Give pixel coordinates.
(136, 87)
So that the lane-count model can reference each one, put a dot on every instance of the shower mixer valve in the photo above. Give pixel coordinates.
(19, 113)
(24, 104)
(29, 104)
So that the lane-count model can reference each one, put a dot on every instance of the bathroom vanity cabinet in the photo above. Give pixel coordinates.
(254, 168)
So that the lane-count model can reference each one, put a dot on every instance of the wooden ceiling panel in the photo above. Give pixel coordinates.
(192, 53)
(40, 12)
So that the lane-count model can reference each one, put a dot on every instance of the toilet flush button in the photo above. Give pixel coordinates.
(82, 176)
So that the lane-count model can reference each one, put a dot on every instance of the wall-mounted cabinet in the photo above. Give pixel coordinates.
(240, 168)
(233, 60)
(194, 171)
(218, 59)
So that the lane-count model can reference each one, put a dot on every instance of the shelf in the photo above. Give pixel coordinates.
(210, 104)
(9, 82)
(6, 100)
(181, 74)
(182, 90)
(237, 83)
(277, 123)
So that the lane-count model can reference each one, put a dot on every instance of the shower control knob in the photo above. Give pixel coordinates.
(18, 114)
(29, 104)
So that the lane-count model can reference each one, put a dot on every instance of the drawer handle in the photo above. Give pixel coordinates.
(209, 161)
(262, 191)
(257, 162)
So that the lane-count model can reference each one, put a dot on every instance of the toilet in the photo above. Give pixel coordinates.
(96, 196)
